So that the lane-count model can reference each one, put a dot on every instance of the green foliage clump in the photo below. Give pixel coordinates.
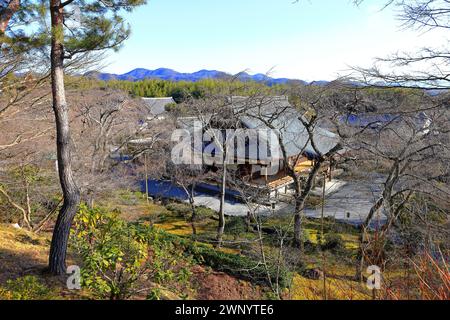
(239, 266)
(236, 226)
(204, 213)
(333, 242)
(179, 209)
(185, 210)
(183, 90)
(112, 257)
(119, 257)
(25, 288)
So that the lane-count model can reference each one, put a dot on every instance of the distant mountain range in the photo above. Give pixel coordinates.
(172, 75)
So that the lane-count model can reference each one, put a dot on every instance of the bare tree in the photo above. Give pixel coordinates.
(317, 108)
(216, 117)
(104, 122)
(426, 68)
(415, 155)
(403, 140)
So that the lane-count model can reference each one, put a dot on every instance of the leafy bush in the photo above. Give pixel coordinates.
(242, 267)
(180, 209)
(118, 256)
(113, 260)
(333, 242)
(236, 226)
(25, 288)
(204, 213)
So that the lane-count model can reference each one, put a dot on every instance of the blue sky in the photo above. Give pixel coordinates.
(309, 40)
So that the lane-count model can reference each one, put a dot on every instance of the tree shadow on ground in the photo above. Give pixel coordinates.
(18, 264)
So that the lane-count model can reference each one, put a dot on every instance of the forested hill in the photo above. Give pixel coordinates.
(172, 75)
(181, 89)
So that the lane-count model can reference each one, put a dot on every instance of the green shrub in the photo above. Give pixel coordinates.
(180, 209)
(236, 226)
(154, 294)
(204, 213)
(239, 266)
(333, 242)
(242, 267)
(25, 288)
(118, 256)
(112, 258)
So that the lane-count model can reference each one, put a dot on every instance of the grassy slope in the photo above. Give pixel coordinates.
(22, 252)
(339, 284)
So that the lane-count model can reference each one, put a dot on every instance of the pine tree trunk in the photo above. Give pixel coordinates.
(71, 193)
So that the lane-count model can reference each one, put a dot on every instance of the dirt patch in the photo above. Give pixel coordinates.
(212, 285)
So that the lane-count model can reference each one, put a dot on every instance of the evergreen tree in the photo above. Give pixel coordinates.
(64, 31)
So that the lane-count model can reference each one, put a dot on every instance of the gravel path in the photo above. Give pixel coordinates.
(345, 201)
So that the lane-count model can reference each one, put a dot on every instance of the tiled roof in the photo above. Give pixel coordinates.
(157, 106)
(264, 114)
(276, 112)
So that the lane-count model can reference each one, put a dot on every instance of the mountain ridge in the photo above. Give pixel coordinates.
(172, 75)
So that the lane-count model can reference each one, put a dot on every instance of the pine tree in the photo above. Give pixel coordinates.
(64, 31)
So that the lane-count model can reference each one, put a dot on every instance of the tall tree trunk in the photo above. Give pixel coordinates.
(221, 227)
(298, 223)
(28, 200)
(193, 210)
(193, 217)
(71, 193)
(300, 199)
(298, 210)
(383, 202)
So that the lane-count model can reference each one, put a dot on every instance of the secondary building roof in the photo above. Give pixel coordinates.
(157, 106)
(278, 114)
(273, 114)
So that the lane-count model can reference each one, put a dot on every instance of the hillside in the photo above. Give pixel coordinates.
(24, 256)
